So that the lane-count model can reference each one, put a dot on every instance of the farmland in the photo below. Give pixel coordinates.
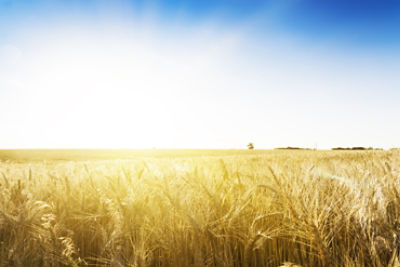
(199, 208)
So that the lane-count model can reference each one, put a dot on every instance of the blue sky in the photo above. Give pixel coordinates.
(366, 22)
(199, 74)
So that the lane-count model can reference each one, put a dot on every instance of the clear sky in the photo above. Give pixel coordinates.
(199, 74)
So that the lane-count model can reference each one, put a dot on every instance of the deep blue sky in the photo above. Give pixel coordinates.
(363, 23)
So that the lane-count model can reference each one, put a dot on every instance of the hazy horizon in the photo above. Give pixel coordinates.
(199, 74)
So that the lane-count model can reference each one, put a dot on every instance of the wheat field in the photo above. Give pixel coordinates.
(212, 208)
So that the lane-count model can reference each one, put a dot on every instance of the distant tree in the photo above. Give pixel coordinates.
(250, 146)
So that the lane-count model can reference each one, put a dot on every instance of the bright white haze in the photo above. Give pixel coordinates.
(142, 84)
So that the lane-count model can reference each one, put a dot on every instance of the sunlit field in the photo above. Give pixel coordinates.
(199, 208)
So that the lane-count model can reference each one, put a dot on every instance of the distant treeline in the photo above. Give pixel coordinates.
(334, 148)
(356, 148)
(294, 148)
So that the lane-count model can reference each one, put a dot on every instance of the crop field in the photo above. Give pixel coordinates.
(200, 208)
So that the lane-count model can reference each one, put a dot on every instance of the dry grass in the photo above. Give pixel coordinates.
(277, 208)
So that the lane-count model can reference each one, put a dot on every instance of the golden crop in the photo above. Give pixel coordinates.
(237, 208)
